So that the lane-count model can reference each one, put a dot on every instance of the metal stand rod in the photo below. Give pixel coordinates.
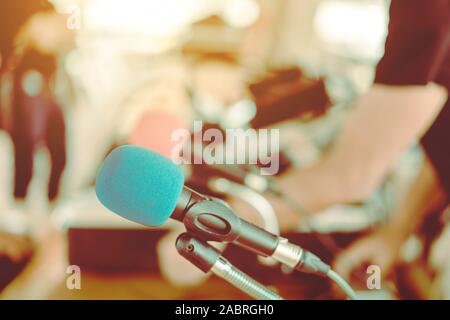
(225, 270)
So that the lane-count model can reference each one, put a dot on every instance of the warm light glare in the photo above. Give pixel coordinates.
(138, 16)
(355, 26)
(241, 13)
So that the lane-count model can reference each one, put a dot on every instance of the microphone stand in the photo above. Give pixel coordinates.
(209, 259)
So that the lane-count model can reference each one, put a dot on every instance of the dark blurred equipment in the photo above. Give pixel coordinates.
(247, 175)
(244, 174)
(286, 93)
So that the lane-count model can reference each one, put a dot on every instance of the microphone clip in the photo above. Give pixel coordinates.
(212, 219)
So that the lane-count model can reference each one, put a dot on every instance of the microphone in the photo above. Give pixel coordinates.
(147, 188)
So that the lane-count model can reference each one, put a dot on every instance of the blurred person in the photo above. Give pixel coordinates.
(13, 14)
(36, 119)
(31, 34)
(34, 116)
(405, 103)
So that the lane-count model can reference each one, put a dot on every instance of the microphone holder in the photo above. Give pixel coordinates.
(209, 259)
(254, 199)
(212, 219)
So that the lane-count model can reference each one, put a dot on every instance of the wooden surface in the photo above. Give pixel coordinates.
(45, 278)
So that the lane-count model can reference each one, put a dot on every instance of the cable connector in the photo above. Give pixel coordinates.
(298, 258)
(310, 263)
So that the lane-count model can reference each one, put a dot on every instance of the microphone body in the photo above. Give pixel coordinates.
(213, 220)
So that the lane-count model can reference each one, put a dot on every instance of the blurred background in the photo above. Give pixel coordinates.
(80, 77)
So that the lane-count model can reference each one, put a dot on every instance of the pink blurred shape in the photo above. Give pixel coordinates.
(154, 130)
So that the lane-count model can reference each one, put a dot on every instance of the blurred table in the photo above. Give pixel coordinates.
(45, 278)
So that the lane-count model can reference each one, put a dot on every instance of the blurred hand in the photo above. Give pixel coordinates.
(381, 248)
(14, 247)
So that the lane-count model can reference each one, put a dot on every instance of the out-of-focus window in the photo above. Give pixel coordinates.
(353, 28)
(151, 26)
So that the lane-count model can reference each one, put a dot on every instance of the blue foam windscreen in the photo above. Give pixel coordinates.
(139, 185)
